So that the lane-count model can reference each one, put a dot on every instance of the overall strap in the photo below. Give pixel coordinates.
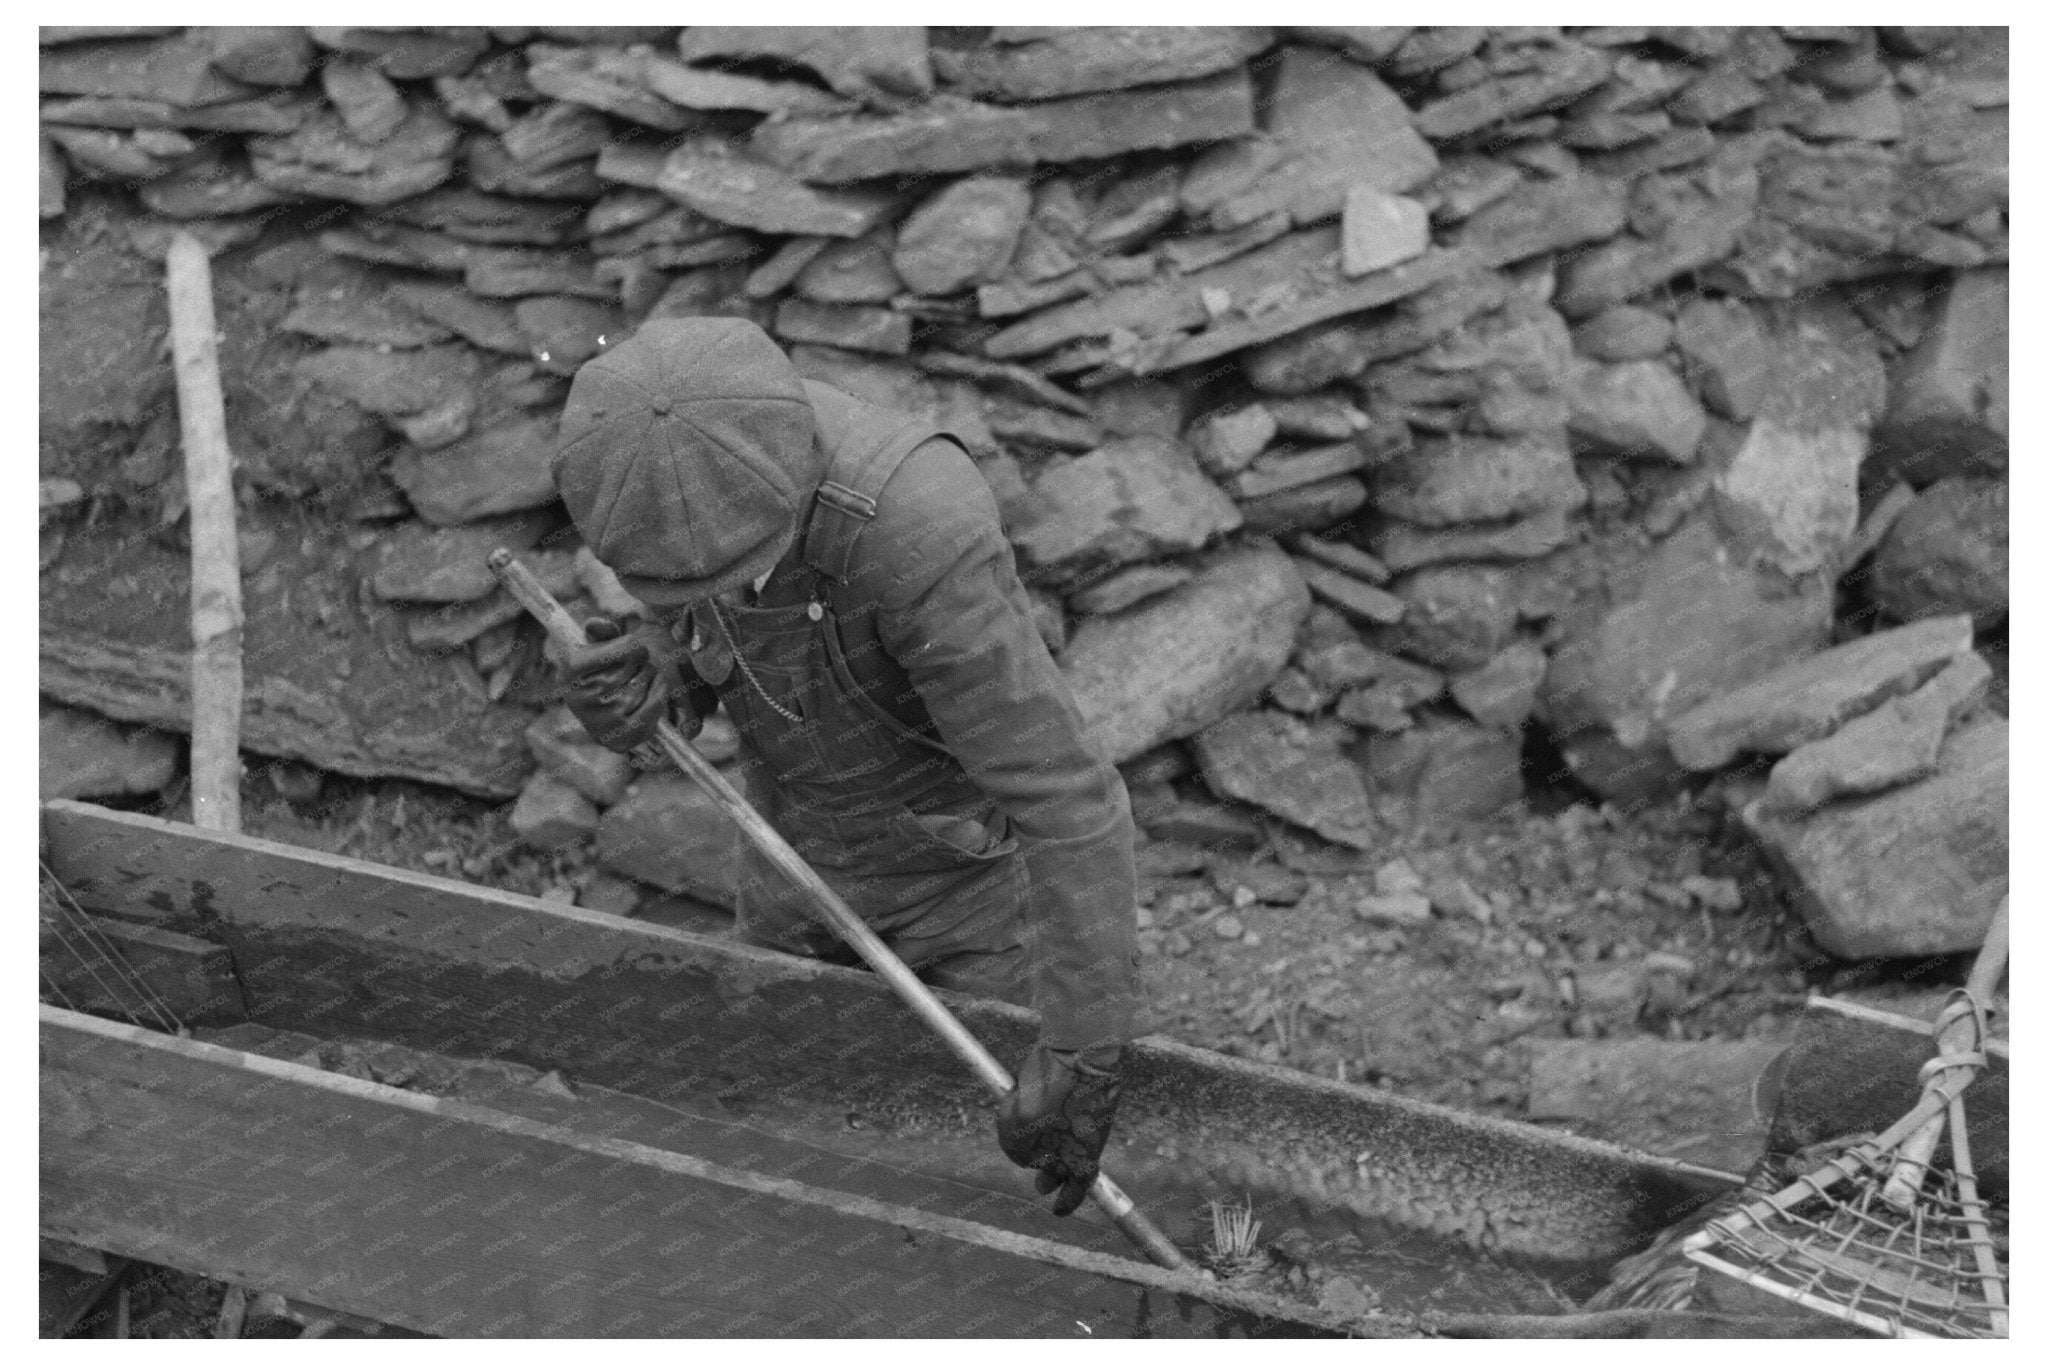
(864, 446)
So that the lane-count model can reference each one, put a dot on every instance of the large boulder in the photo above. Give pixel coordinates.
(1446, 769)
(670, 833)
(1790, 490)
(1947, 552)
(79, 754)
(1136, 497)
(1687, 623)
(1277, 763)
(1914, 871)
(1950, 408)
(1180, 662)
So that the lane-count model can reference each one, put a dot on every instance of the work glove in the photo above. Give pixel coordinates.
(626, 681)
(1057, 1119)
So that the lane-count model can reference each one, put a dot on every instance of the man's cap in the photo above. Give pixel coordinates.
(687, 453)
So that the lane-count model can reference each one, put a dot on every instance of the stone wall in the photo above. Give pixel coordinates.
(1393, 389)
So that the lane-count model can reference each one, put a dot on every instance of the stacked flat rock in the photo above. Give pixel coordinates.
(1399, 388)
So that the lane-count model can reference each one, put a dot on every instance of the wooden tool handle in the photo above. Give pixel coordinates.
(1957, 1036)
(529, 592)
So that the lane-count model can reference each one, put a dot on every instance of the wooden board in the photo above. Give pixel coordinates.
(419, 1210)
(334, 946)
(91, 963)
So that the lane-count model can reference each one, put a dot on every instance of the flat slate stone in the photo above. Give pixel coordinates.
(1310, 507)
(1337, 125)
(551, 815)
(175, 69)
(1358, 600)
(416, 562)
(1278, 470)
(493, 326)
(1635, 409)
(697, 88)
(947, 133)
(607, 78)
(738, 189)
(1457, 615)
(1567, 71)
(1466, 479)
(325, 160)
(1685, 1099)
(962, 235)
(1623, 332)
(1182, 661)
(360, 320)
(503, 468)
(1045, 63)
(274, 54)
(1726, 353)
(882, 331)
(1807, 700)
(878, 63)
(1266, 759)
(1128, 587)
(1503, 690)
(1898, 742)
(1381, 229)
(1400, 545)
(1703, 229)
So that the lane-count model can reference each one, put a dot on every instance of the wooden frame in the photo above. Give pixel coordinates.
(332, 947)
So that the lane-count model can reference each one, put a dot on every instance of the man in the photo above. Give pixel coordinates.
(837, 576)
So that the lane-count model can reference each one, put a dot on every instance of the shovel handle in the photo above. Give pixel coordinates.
(564, 629)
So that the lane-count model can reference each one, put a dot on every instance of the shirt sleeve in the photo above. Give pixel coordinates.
(955, 617)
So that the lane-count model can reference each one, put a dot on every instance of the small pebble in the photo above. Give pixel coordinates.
(1401, 908)
(1396, 877)
(1228, 927)
(1716, 893)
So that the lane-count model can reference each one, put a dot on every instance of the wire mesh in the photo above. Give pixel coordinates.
(1838, 1247)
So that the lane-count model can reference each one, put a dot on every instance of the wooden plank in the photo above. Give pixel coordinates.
(335, 946)
(192, 979)
(1853, 1069)
(460, 1219)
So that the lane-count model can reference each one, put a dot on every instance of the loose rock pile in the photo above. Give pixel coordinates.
(1356, 398)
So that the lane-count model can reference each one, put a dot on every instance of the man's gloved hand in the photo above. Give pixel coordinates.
(625, 681)
(1057, 1120)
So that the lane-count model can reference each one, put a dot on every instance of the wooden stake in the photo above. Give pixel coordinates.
(216, 557)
